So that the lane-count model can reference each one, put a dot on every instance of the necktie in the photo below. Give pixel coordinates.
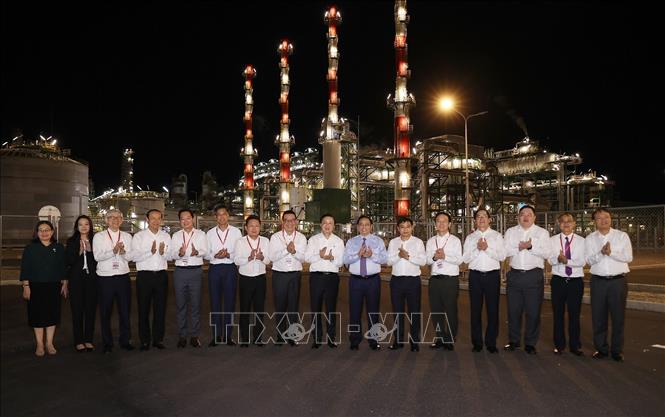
(569, 270)
(363, 263)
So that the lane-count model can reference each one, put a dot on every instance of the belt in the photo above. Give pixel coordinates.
(609, 277)
(324, 273)
(565, 278)
(189, 266)
(155, 272)
(526, 270)
(494, 271)
(441, 276)
(366, 277)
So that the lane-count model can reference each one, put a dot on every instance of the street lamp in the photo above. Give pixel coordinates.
(448, 104)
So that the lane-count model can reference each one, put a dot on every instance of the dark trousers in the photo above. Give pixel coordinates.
(443, 292)
(567, 292)
(252, 299)
(83, 301)
(484, 287)
(286, 294)
(118, 288)
(608, 295)
(222, 285)
(406, 290)
(324, 286)
(525, 296)
(151, 289)
(363, 291)
(187, 286)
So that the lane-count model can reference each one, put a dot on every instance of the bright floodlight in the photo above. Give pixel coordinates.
(446, 104)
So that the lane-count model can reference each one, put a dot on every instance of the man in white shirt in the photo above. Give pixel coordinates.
(608, 251)
(483, 252)
(189, 246)
(444, 254)
(364, 255)
(150, 248)
(567, 284)
(287, 253)
(112, 250)
(251, 259)
(325, 254)
(222, 276)
(527, 245)
(406, 254)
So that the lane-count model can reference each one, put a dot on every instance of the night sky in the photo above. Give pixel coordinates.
(166, 81)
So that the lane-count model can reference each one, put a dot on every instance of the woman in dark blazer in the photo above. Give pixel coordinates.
(82, 276)
(43, 277)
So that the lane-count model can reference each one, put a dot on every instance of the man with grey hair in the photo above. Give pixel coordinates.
(112, 251)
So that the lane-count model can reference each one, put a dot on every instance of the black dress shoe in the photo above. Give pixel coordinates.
(415, 347)
(477, 348)
(182, 342)
(292, 343)
(558, 351)
(449, 346)
(436, 345)
(107, 349)
(599, 355)
(531, 350)
(577, 352)
(230, 343)
(395, 346)
(159, 345)
(510, 347)
(127, 346)
(195, 342)
(316, 345)
(617, 357)
(331, 344)
(492, 349)
(145, 346)
(354, 347)
(83, 349)
(375, 347)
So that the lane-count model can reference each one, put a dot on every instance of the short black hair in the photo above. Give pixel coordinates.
(252, 217)
(443, 213)
(289, 212)
(404, 220)
(600, 210)
(527, 206)
(185, 210)
(35, 235)
(327, 215)
(565, 213)
(362, 216)
(147, 213)
(475, 213)
(219, 207)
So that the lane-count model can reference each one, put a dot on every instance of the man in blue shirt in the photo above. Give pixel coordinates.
(364, 255)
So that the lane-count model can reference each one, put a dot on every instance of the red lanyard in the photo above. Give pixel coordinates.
(570, 242)
(187, 242)
(436, 241)
(116, 242)
(225, 235)
(250, 245)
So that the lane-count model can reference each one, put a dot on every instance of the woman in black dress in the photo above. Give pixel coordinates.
(82, 276)
(43, 276)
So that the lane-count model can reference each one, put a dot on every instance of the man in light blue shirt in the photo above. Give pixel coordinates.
(364, 255)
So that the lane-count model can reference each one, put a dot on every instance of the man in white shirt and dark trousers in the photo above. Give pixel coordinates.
(251, 256)
(150, 252)
(325, 254)
(527, 245)
(188, 248)
(112, 250)
(406, 254)
(364, 254)
(484, 251)
(567, 284)
(444, 254)
(222, 276)
(608, 251)
(287, 253)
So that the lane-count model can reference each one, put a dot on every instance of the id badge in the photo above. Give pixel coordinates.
(185, 261)
(289, 260)
(439, 264)
(116, 264)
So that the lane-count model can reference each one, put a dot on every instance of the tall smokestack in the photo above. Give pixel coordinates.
(248, 152)
(284, 139)
(401, 103)
(331, 127)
